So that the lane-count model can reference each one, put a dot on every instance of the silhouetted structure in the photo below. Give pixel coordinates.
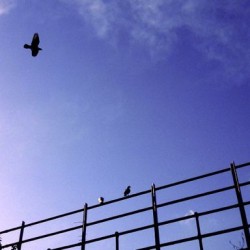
(233, 189)
(34, 45)
(127, 191)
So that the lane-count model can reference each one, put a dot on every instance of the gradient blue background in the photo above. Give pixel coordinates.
(123, 93)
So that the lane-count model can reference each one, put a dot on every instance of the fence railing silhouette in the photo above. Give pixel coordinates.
(155, 226)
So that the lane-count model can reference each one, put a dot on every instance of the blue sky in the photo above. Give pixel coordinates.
(123, 93)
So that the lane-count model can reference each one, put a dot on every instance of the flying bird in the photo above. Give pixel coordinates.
(127, 191)
(34, 45)
(100, 200)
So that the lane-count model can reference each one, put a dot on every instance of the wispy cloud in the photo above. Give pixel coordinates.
(98, 13)
(187, 221)
(6, 6)
(219, 30)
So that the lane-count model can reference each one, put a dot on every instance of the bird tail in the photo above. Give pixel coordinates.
(26, 46)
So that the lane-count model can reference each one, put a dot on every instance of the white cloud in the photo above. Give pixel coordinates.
(220, 28)
(6, 6)
(155, 16)
(95, 12)
(97, 15)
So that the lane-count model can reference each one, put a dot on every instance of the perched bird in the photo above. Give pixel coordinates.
(34, 45)
(100, 200)
(127, 191)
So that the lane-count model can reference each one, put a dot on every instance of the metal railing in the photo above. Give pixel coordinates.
(156, 225)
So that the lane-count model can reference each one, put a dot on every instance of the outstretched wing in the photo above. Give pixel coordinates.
(27, 46)
(35, 41)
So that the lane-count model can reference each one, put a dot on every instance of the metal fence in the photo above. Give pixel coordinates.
(156, 224)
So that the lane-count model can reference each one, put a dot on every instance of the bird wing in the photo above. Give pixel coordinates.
(126, 192)
(27, 46)
(35, 41)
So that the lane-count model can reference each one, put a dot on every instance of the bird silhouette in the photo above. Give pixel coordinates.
(34, 45)
(127, 191)
(101, 200)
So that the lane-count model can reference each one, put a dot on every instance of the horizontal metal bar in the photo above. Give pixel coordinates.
(217, 210)
(52, 234)
(191, 216)
(195, 196)
(200, 214)
(246, 203)
(244, 183)
(136, 229)
(45, 236)
(170, 243)
(42, 221)
(10, 245)
(127, 231)
(183, 240)
(243, 165)
(67, 247)
(54, 217)
(193, 179)
(86, 242)
(120, 199)
(106, 237)
(100, 238)
(120, 233)
(10, 230)
(119, 216)
(201, 176)
(229, 230)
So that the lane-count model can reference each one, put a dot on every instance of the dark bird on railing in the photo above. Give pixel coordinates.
(127, 191)
(34, 45)
(100, 200)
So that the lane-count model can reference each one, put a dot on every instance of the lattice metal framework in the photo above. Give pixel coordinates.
(158, 244)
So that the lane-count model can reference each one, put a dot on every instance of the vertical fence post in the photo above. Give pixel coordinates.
(19, 245)
(198, 230)
(155, 217)
(241, 205)
(116, 240)
(84, 226)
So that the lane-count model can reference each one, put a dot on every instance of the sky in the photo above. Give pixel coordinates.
(124, 92)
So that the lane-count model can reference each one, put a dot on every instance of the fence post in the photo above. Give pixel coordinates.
(241, 205)
(19, 245)
(198, 230)
(155, 216)
(116, 240)
(84, 226)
